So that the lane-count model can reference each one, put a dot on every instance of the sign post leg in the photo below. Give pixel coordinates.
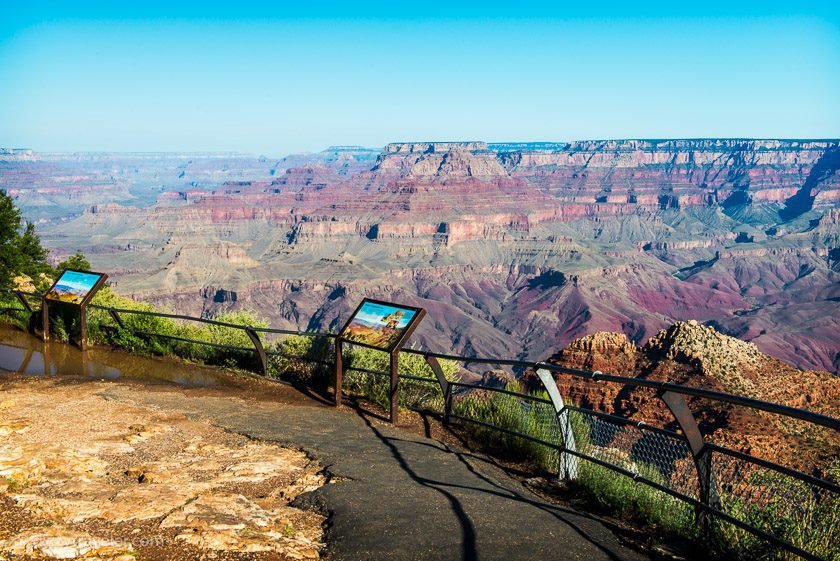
(45, 319)
(83, 327)
(339, 371)
(395, 385)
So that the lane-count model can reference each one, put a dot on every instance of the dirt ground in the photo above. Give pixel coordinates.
(83, 477)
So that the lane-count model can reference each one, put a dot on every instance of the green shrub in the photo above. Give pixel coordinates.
(784, 507)
(160, 336)
(413, 394)
(516, 414)
(129, 338)
(295, 363)
(622, 496)
(17, 316)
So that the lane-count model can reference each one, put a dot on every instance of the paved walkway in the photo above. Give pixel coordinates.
(403, 497)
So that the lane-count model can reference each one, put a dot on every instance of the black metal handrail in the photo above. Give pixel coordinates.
(802, 414)
(704, 503)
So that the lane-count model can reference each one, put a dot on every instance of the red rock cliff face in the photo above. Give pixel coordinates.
(691, 354)
(674, 174)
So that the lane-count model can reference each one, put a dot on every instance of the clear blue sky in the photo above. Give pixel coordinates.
(266, 78)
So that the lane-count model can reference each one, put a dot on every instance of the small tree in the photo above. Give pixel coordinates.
(20, 247)
(77, 262)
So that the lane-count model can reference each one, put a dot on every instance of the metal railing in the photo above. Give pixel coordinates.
(717, 490)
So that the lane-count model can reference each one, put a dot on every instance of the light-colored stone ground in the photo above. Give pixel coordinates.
(84, 477)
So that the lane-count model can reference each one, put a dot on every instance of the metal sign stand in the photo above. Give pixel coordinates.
(45, 319)
(339, 369)
(45, 311)
(393, 352)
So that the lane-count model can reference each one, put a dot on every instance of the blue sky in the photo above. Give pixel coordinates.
(274, 79)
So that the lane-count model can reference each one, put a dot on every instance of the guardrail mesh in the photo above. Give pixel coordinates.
(502, 418)
(789, 508)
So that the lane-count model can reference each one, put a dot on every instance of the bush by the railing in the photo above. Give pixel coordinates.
(14, 315)
(301, 360)
(513, 413)
(793, 512)
(101, 329)
(621, 495)
(414, 394)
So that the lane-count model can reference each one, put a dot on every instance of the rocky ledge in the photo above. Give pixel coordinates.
(82, 477)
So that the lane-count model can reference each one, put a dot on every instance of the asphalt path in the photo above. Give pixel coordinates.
(399, 496)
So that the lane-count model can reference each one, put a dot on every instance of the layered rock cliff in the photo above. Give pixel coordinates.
(515, 249)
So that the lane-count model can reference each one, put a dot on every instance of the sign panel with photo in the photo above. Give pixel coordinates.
(75, 287)
(380, 325)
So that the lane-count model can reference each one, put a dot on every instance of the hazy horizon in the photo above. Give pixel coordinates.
(415, 141)
(258, 79)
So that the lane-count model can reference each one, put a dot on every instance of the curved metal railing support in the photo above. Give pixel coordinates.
(700, 453)
(445, 386)
(567, 462)
(258, 347)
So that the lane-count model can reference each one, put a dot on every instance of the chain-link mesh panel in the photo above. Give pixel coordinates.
(657, 457)
(662, 458)
(797, 512)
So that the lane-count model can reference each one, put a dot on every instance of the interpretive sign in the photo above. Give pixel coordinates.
(72, 287)
(381, 325)
(76, 287)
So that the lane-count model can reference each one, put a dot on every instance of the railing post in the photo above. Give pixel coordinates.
(447, 405)
(23, 301)
(116, 317)
(567, 463)
(258, 346)
(395, 385)
(445, 386)
(700, 453)
(339, 370)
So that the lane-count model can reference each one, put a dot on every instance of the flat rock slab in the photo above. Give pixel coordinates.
(402, 496)
(86, 477)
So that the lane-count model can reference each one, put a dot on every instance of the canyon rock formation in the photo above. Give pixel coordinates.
(691, 354)
(515, 250)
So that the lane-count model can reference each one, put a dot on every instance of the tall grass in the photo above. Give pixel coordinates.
(620, 495)
(413, 394)
(787, 508)
(515, 414)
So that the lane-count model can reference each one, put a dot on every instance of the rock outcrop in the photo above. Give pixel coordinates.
(77, 469)
(692, 354)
